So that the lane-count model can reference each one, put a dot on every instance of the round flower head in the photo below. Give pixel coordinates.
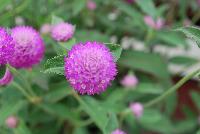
(62, 31)
(7, 78)
(6, 47)
(90, 67)
(29, 47)
(91, 5)
(129, 81)
(118, 131)
(45, 29)
(137, 109)
(12, 122)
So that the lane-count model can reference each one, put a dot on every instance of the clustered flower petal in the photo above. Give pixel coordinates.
(137, 109)
(29, 47)
(118, 131)
(7, 78)
(129, 81)
(90, 67)
(91, 5)
(12, 122)
(62, 31)
(6, 47)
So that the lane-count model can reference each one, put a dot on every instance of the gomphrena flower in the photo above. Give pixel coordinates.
(90, 67)
(137, 109)
(29, 47)
(7, 78)
(118, 131)
(45, 29)
(129, 81)
(158, 24)
(91, 5)
(6, 46)
(62, 31)
(12, 122)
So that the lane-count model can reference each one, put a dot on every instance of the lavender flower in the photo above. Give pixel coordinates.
(62, 31)
(158, 24)
(129, 81)
(29, 47)
(7, 78)
(6, 46)
(137, 109)
(45, 29)
(90, 67)
(118, 131)
(91, 5)
(12, 122)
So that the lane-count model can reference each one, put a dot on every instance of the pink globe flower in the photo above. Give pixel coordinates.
(62, 31)
(90, 67)
(29, 47)
(7, 78)
(198, 2)
(6, 47)
(137, 109)
(45, 29)
(91, 5)
(118, 131)
(129, 81)
(130, 1)
(158, 24)
(12, 122)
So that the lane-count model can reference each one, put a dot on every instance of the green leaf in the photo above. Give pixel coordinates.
(10, 109)
(172, 38)
(148, 88)
(95, 111)
(68, 45)
(55, 20)
(78, 6)
(22, 128)
(198, 132)
(115, 49)
(151, 119)
(57, 94)
(183, 60)
(196, 98)
(112, 123)
(192, 33)
(3, 4)
(55, 65)
(147, 7)
(147, 62)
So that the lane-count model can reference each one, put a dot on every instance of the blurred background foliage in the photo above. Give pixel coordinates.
(61, 112)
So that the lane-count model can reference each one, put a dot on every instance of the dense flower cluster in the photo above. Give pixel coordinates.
(12, 122)
(29, 47)
(62, 31)
(6, 46)
(129, 81)
(137, 109)
(90, 67)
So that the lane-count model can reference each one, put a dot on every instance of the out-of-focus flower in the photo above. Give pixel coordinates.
(29, 47)
(158, 24)
(198, 2)
(7, 78)
(186, 22)
(91, 5)
(129, 81)
(118, 131)
(12, 122)
(6, 47)
(90, 67)
(62, 31)
(19, 20)
(45, 29)
(137, 109)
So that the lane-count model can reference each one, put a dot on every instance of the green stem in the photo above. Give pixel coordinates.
(172, 89)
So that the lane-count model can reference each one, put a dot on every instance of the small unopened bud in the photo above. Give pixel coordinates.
(12, 122)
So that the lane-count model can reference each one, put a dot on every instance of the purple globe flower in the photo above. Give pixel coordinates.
(90, 67)
(29, 47)
(137, 109)
(12, 122)
(118, 131)
(7, 78)
(62, 31)
(129, 81)
(6, 46)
